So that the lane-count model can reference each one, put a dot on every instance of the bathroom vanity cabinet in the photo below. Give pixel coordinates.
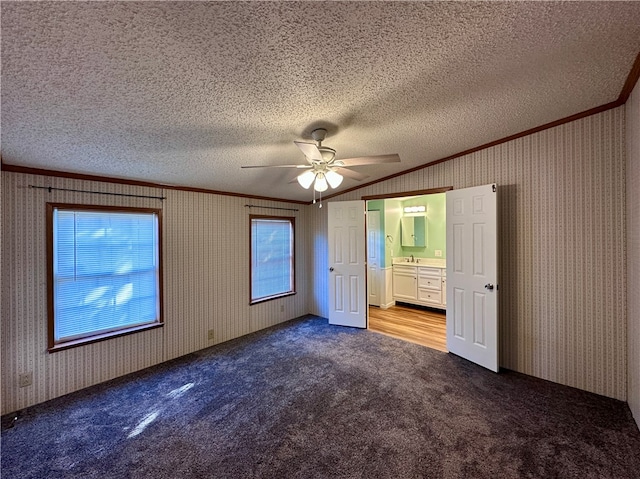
(422, 285)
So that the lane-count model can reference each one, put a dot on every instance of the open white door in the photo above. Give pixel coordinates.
(347, 264)
(373, 257)
(472, 269)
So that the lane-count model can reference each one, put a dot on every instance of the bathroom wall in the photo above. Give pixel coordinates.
(392, 214)
(435, 223)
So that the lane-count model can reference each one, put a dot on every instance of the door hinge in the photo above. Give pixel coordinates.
(494, 187)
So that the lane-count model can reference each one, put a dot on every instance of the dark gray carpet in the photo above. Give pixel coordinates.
(309, 400)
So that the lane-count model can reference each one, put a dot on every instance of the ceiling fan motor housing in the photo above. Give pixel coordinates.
(328, 154)
(319, 134)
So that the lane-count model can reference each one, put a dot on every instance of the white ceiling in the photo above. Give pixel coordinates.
(185, 93)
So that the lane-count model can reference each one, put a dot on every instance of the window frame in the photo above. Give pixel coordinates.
(54, 346)
(292, 222)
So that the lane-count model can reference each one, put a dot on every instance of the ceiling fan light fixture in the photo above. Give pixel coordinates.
(322, 167)
(333, 178)
(321, 183)
(306, 178)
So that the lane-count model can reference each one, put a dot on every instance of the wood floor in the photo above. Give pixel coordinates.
(422, 326)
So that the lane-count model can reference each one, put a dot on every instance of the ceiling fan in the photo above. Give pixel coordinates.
(323, 170)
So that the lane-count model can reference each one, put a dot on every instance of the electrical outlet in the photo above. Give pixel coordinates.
(211, 335)
(25, 379)
(439, 252)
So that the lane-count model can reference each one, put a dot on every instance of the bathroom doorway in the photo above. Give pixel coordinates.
(417, 315)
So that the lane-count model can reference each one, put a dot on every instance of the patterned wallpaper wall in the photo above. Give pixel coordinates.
(1, 295)
(562, 248)
(563, 267)
(206, 279)
(633, 249)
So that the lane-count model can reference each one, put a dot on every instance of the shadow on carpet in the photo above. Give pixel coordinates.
(309, 400)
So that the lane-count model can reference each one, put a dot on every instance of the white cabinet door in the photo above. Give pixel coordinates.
(405, 285)
(472, 269)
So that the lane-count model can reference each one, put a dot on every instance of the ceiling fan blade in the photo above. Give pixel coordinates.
(277, 166)
(310, 150)
(368, 160)
(354, 175)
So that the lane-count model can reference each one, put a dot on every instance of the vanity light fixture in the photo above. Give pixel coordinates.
(415, 209)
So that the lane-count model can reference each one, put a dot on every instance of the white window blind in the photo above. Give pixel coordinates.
(271, 257)
(105, 272)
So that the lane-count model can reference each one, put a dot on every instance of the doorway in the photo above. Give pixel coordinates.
(471, 233)
(408, 226)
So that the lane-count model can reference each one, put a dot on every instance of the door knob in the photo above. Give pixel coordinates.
(331, 269)
(489, 286)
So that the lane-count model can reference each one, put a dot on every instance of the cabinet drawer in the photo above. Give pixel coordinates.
(430, 296)
(430, 282)
(401, 268)
(429, 271)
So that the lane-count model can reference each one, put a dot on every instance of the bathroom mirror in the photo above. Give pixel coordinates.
(414, 231)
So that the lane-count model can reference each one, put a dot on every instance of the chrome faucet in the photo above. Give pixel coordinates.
(412, 260)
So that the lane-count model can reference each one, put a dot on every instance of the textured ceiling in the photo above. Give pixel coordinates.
(185, 93)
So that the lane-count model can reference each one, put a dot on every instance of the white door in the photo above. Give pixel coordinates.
(472, 269)
(373, 257)
(347, 264)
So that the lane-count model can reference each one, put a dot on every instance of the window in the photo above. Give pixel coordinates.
(104, 267)
(272, 258)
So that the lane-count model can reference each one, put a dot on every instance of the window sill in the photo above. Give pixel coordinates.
(271, 298)
(101, 337)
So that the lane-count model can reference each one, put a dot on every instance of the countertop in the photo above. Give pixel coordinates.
(434, 263)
